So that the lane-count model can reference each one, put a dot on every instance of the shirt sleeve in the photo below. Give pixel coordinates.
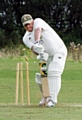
(27, 42)
(38, 22)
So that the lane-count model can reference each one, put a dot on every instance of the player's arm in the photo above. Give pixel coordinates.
(37, 33)
(35, 47)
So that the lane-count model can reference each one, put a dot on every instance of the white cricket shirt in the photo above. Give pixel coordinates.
(50, 40)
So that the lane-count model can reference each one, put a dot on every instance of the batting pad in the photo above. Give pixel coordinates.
(38, 78)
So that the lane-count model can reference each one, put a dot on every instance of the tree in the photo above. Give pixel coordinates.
(63, 15)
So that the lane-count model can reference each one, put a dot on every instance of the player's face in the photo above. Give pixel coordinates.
(29, 27)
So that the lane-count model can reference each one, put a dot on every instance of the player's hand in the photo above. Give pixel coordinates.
(43, 57)
(38, 48)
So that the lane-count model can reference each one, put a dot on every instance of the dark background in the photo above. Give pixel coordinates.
(64, 16)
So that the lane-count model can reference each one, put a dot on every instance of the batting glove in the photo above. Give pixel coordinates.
(43, 56)
(38, 48)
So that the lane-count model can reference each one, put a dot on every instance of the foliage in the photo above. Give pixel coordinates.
(2, 38)
(64, 16)
(74, 35)
(16, 51)
(9, 39)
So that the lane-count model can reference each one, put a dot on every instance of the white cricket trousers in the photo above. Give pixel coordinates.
(55, 66)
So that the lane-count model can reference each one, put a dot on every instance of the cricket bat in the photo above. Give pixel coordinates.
(45, 86)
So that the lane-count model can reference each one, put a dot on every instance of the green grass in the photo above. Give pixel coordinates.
(69, 105)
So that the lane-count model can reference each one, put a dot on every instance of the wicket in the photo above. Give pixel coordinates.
(19, 78)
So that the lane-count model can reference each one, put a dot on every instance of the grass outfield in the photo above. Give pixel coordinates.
(69, 105)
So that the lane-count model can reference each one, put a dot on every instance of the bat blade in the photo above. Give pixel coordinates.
(45, 87)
